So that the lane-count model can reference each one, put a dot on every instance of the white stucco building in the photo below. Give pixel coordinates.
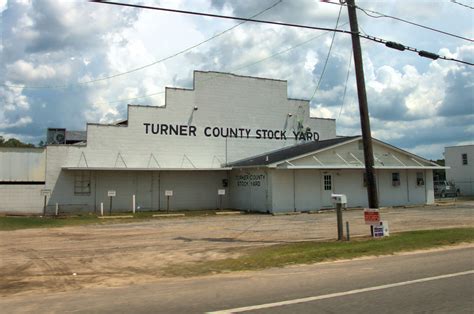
(234, 133)
(460, 160)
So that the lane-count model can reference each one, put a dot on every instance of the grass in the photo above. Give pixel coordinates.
(312, 252)
(28, 222)
(15, 223)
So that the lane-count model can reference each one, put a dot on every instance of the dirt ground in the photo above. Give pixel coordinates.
(62, 259)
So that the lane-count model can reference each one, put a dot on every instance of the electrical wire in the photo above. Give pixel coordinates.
(149, 64)
(235, 18)
(382, 15)
(238, 68)
(373, 38)
(231, 70)
(345, 85)
(327, 56)
(462, 4)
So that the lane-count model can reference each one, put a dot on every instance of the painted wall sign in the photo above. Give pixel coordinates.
(250, 179)
(45, 192)
(214, 131)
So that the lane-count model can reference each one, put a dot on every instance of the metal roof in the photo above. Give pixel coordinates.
(289, 152)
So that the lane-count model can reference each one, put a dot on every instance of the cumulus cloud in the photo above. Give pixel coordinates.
(49, 43)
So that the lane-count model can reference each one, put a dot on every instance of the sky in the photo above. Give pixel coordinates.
(66, 63)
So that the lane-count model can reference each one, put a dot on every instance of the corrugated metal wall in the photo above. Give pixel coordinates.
(22, 164)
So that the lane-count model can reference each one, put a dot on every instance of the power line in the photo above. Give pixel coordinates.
(345, 85)
(231, 70)
(222, 16)
(421, 53)
(327, 56)
(150, 64)
(380, 15)
(462, 4)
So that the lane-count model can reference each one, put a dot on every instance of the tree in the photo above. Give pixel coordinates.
(13, 142)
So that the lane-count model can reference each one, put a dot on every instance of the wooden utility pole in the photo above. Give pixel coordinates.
(363, 108)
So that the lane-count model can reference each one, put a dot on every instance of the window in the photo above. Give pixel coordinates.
(395, 178)
(327, 182)
(82, 183)
(420, 180)
(464, 159)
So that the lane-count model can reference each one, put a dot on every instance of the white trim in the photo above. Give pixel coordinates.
(143, 169)
(359, 167)
(315, 152)
(404, 152)
(315, 158)
(416, 161)
(357, 159)
(395, 157)
(342, 159)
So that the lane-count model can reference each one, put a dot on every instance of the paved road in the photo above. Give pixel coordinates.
(453, 293)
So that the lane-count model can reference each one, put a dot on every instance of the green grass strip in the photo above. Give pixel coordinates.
(16, 223)
(312, 252)
(24, 222)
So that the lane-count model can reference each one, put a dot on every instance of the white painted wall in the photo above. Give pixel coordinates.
(21, 199)
(22, 164)
(302, 190)
(222, 100)
(461, 175)
(283, 197)
(250, 190)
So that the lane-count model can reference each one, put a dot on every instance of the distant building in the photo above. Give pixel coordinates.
(460, 160)
(230, 138)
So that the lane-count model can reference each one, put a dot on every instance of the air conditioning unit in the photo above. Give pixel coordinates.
(56, 136)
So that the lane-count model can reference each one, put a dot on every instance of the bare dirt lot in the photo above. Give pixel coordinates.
(61, 259)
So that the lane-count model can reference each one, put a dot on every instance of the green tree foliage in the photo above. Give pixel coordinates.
(13, 142)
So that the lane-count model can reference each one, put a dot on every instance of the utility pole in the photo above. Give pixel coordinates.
(363, 108)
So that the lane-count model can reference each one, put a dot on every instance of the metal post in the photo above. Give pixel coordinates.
(340, 228)
(110, 206)
(57, 209)
(101, 209)
(363, 108)
(134, 204)
(44, 206)
(167, 204)
(220, 202)
(348, 236)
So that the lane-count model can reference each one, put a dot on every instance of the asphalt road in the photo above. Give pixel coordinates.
(435, 282)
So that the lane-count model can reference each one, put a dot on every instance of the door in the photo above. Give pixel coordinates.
(327, 186)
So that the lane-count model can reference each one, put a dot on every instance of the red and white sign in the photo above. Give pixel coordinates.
(371, 216)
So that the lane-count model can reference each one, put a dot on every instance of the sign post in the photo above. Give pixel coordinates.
(221, 193)
(45, 193)
(168, 194)
(339, 200)
(111, 194)
(378, 228)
